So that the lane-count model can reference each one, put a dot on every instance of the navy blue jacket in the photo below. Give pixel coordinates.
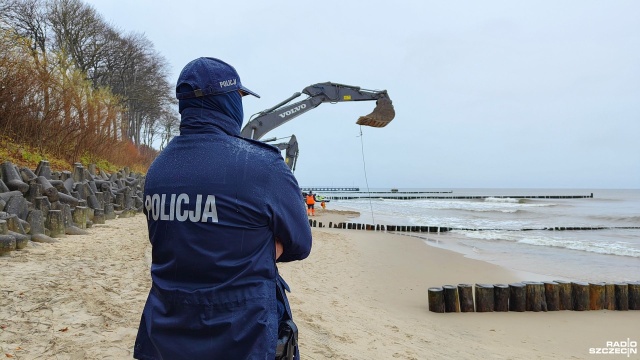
(215, 203)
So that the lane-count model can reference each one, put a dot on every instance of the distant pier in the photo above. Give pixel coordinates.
(357, 190)
(407, 195)
(332, 189)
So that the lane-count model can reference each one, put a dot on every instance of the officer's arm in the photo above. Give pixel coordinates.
(289, 220)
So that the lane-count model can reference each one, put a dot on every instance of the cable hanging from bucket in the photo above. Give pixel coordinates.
(366, 180)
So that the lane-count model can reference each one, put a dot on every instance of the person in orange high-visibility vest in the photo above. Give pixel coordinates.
(311, 201)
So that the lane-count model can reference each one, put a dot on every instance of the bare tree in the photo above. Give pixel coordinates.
(68, 77)
(80, 33)
(138, 74)
(28, 19)
(169, 126)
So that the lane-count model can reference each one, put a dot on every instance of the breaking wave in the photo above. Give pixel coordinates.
(618, 219)
(504, 200)
(620, 248)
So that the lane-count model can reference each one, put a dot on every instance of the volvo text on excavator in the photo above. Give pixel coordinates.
(267, 120)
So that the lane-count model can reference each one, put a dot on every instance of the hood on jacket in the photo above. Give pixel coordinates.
(208, 113)
(210, 97)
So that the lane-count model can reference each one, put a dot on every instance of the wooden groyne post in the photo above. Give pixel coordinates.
(484, 297)
(622, 296)
(580, 295)
(501, 293)
(517, 297)
(609, 297)
(565, 295)
(465, 292)
(537, 296)
(634, 295)
(436, 299)
(552, 295)
(451, 298)
(596, 296)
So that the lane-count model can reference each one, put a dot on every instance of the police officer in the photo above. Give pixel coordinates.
(221, 210)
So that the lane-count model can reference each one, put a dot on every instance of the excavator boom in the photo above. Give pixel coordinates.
(291, 150)
(266, 120)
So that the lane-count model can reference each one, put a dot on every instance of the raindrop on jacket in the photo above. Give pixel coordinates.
(215, 202)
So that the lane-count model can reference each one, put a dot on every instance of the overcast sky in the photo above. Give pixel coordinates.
(498, 94)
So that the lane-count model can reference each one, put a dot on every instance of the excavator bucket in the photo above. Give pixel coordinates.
(381, 115)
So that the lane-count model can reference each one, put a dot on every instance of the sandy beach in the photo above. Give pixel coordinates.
(360, 295)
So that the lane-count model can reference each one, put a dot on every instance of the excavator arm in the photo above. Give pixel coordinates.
(290, 151)
(267, 120)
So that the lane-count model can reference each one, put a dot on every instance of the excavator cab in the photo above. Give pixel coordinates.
(380, 116)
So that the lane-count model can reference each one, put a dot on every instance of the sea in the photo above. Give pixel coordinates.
(501, 227)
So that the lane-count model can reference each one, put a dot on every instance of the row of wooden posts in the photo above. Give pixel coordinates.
(535, 296)
(441, 229)
(378, 227)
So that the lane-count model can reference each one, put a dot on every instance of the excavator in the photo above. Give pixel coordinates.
(263, 122)
(267, 120)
